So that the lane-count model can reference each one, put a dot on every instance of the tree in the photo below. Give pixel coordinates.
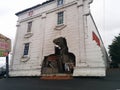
(114, 50)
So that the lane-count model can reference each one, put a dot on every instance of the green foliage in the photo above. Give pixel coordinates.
(114, 50)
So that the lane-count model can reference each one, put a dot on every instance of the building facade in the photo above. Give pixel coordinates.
(39, 26)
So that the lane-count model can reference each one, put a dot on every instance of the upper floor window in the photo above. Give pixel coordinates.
(26, 48)
(60, 19)
(59, 2)
(29, 26)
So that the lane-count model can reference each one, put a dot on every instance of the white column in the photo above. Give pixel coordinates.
(81, 32)
(43, 20)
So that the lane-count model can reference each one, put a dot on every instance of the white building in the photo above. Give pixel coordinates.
(39, 25)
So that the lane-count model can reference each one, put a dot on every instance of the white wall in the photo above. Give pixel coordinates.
(76, 30)
(41, 42)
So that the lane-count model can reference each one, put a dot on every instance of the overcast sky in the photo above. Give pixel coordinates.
(105, 13)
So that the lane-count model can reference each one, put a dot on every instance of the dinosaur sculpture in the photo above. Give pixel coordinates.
(62, 61)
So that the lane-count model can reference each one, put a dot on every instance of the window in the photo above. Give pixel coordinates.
(60, 18)
(29, 26)
(59, 2)
(26, 48)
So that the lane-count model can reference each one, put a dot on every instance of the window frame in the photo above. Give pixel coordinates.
(60, 2)
(26, 49)
(29, 26)
(60, 18)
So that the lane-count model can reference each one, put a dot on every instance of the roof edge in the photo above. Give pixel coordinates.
(38, 5)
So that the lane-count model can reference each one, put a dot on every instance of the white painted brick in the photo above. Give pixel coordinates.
(41, 43)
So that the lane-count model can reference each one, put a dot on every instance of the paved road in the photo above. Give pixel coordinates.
(111, 82)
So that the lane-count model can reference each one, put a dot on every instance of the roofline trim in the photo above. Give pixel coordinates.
(38, 5)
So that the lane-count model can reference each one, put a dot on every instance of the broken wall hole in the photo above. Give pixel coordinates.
(61, 62)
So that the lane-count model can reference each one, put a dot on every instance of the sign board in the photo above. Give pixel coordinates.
(5, 45)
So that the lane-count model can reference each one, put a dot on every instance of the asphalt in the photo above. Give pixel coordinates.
(110, 82)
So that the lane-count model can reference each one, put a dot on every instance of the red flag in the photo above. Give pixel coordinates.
(96, 38)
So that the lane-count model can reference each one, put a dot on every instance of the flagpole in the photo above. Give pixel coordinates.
(7, 65)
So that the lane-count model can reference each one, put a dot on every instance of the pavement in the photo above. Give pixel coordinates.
(110, 82)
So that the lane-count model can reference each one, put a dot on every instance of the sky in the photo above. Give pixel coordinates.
(105, 13)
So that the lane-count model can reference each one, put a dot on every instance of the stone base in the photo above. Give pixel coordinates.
(24, 73)
(78, 71)
(90, 71)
